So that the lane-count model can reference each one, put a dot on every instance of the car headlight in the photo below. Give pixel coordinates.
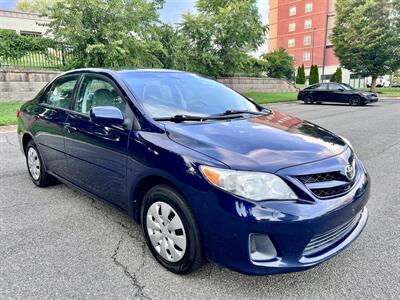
(255, 186)
(366, 94)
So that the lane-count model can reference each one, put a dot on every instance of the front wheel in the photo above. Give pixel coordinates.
(35, 166)
(355, 101)
(308, 99)
(171, 231)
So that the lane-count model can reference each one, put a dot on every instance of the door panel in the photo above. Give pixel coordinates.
(96, 157)
(48, 129)
(335, 94)
(49, 120)
(320, 92)
(97, 153)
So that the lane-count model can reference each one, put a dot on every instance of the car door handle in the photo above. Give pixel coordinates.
(69, 128)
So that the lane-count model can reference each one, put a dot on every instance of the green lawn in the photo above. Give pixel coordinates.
(261, 97)
(7, 112)
(386, 92)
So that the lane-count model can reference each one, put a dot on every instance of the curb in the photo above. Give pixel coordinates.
(8, 129)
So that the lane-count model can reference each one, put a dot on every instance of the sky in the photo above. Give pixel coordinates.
(171, 12)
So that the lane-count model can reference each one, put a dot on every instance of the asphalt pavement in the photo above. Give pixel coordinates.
(58, 243)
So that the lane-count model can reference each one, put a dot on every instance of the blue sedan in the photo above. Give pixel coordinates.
(208, 173)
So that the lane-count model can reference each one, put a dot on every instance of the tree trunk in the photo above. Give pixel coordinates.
(373, 83)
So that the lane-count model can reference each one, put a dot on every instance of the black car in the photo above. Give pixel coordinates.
(335, 92)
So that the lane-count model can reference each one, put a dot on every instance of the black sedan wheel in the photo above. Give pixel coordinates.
(171, 231)
(355, 100)
(308, 99)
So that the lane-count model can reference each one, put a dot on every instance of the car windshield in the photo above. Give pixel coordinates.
(347, 87)
(168, 94)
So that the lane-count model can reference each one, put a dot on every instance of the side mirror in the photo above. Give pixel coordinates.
(106, 115)
(340, 90)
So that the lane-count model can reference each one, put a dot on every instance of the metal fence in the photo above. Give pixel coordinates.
(50, 59)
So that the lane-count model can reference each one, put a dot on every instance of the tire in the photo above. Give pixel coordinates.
(355, 100)
(35, 166)
(308, 99)
(176, 247)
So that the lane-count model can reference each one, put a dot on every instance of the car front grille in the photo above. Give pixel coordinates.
(325, 240)
(326, 185)
(330, 192)
(322, 177)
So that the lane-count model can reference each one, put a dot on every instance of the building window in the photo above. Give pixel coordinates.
(292, 11)
(307, 40)
(309, 7)
(306, 56)
(291, 43)
(292, 27)
(307, 24)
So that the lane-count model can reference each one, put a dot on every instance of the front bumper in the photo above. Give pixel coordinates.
(371, 99)
(290, 225)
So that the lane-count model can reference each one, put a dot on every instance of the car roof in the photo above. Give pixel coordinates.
(115, 72)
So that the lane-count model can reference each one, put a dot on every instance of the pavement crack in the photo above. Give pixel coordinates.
(132, 276)
(9, 142)
(382, 151)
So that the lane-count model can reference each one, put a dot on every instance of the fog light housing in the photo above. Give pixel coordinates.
(261, 247)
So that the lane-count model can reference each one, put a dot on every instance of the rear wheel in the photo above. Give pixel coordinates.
(308, 99)
(35, 166)
(355, 100)
(171, 231)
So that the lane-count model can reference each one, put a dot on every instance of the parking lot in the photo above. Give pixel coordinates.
(58, 243)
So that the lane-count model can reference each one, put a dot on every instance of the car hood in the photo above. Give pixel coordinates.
(263, 143)
(362, 93)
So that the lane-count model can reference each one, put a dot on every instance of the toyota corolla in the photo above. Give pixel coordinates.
(208, 173)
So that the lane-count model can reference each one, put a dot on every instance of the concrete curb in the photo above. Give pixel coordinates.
(8, 129)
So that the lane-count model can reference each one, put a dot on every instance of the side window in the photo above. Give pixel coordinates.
(61, 92)
(322, 86)
(335, 87)
(97, 92)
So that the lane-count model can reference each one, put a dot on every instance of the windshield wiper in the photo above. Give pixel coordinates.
(240, 112)
(184, 118)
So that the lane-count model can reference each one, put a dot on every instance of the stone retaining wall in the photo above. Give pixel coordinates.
(246, 84)
(24, 85)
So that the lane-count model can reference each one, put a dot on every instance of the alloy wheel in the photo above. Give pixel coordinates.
(166, 231)
(355, 100)
(34, 163)
(308, 99)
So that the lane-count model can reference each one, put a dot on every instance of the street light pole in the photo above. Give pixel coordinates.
(325, 41)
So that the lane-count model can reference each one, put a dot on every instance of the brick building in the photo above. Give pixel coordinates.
(303, 28)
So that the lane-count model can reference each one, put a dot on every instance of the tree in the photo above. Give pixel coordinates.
(222, 34)
(301, 75)
(366, 36)
(279, 64)
(111, 33)
(338, 75)
(173, 51)
(314, 74)
(36, 6)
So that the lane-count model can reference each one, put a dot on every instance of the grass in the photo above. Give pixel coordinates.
(386, 92)
(7, 112)
(262, 97)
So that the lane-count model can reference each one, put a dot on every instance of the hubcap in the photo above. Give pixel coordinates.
(33, 163)
(166, 231)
